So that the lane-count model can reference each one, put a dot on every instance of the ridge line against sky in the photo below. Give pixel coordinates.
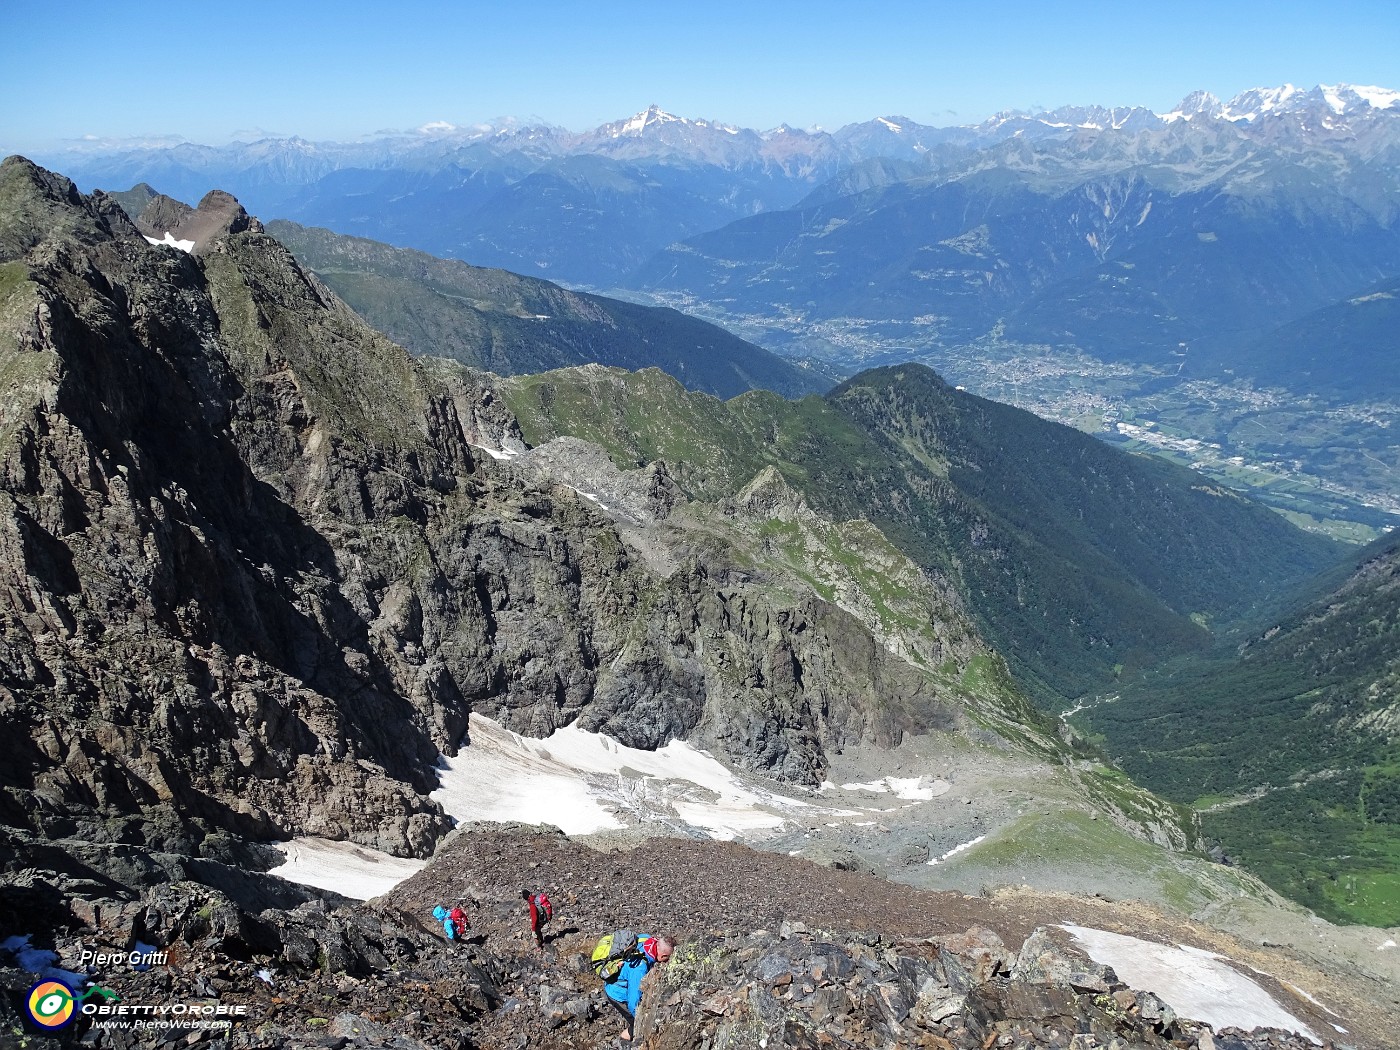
(214, 72)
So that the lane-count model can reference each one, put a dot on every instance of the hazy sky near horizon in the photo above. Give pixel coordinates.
(214, 70)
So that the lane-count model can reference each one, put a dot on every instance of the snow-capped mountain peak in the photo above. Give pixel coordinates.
(1196, 104)
(1257, 103)
(650, 116)
(655, 117)
(1342, 97)
(1381, 98)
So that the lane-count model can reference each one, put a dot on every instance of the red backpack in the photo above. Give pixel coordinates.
(459, 918)
(542, 905)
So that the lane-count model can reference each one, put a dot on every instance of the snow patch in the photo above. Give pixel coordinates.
(956, 850)
(585, 782)
(343, 867)
(913, 789)
(169, 239)
(495, 453)
(1197, 984)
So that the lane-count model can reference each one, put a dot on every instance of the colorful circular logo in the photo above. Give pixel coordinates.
(50, 1004)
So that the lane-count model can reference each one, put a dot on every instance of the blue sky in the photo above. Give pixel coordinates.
(210, 69)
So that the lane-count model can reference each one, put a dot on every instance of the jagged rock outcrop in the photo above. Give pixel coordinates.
(258, 568)
(804, 988)
(158, 215)
(279, 964)
(863, 572)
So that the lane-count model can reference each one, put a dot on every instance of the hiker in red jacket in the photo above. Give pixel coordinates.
(541, 911)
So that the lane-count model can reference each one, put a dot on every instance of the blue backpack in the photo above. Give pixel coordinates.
(454, 922)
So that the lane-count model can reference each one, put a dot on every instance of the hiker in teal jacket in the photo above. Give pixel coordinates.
(625, 990)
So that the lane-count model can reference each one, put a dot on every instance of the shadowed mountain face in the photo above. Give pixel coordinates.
(1348, 351)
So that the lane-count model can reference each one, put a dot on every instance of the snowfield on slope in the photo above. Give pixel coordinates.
(1195, 983)
(343, 867)
(587, 782)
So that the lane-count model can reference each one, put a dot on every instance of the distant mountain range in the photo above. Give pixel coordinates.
(1087, 262)
(1121, 232)
(589, 207)
(654, 133)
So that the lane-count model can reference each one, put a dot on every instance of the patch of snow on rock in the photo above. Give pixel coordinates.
(912, 789)
(956, 850)
(347, 869)
(494, 453)
(586, 782)
(1196, 984)
(169, 239)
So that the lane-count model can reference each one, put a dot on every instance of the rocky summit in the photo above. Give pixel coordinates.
(261, 566)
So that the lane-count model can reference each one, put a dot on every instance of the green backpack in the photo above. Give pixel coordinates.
(612, 952)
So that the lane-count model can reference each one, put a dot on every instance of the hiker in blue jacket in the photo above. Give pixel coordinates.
(625, 991)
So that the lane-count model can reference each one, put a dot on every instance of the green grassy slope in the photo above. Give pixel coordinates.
(1078, 560)
(1292, 747)
(511, 325)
